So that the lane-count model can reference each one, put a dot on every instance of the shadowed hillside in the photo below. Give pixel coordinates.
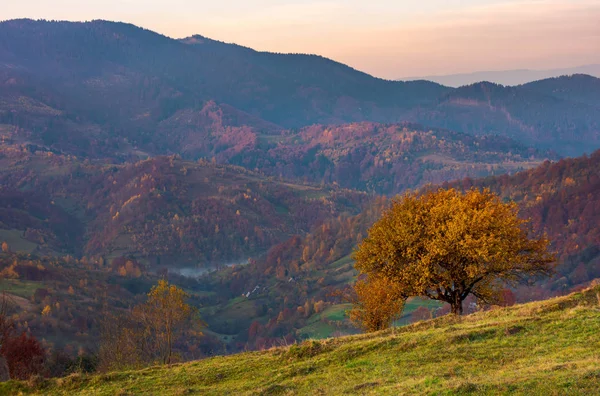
(150, 72)
(560, 113)
(577, 88)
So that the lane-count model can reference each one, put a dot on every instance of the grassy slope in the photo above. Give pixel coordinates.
(548, 347)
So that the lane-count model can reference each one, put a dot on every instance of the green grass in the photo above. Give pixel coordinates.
(543, 348)
(412, 305)
(317, 330)
(336, 312)
(20, 288)
(16, 242)
(343, 261)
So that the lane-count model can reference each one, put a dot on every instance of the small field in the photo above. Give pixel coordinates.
(16, 242)
(24, 289)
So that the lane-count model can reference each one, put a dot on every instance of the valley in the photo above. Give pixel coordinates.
(247, 179)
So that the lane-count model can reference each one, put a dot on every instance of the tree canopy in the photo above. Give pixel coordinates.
(445, 245)
(147, 334)
(377, 303)
(163, 315)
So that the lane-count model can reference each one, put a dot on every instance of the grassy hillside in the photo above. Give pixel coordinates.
(547, 347)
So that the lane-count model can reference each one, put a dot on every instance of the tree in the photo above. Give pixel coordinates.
(377, 303)
(446, 245)
(7, 324)
(25, 356)
(147, 334)
(122, 343)
(163, 316)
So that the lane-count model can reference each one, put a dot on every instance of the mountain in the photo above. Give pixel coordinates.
(380, 158)
(534, 348)
(112, 90)
(560, 114)
(507, 77)
(580, 88)
(126, 155)
(109, 70)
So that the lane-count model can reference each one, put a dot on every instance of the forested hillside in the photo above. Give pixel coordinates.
(563, 200)
(103, 89)
(183, 212)
(384, 158)
(559, 113)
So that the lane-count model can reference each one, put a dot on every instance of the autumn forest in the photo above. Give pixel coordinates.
(244, 193)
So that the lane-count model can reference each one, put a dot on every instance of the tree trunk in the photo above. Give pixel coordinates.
(457, 306)
(169, 346)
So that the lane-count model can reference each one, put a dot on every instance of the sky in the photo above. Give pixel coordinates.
(386, 38)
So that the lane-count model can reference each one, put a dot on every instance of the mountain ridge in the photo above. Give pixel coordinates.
(508, 77)
(121, 81)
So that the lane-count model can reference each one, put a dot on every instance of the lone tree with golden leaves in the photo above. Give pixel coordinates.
(446, 245)
(163, 315)
(146, 335)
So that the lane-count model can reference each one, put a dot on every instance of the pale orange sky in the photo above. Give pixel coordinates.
(386, 38)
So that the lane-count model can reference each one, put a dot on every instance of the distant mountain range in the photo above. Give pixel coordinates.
(507, 77)
(104, 89)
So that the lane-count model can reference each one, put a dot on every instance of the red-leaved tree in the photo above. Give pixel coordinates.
(24, 355)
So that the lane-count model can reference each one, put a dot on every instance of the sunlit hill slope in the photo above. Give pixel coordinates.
(547, 347)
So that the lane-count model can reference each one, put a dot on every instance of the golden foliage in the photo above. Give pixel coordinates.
(378, 302)
(10, 272)
(163, 315)
(446, 245)
(148, 334)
